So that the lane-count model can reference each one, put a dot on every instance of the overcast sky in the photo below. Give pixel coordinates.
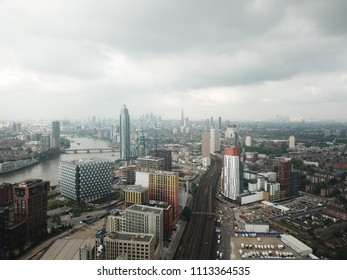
(235, 59)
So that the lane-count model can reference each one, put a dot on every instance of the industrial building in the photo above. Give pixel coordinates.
(257, 227)
(299, 247)
(245, 199)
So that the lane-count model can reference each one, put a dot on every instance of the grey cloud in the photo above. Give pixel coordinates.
(102, 54)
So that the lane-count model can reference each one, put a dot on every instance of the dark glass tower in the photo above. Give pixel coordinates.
(55, 140)
(125, 134)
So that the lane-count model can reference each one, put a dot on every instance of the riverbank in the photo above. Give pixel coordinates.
(12, 166)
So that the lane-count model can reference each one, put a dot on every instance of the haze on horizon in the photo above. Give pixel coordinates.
(235, 59)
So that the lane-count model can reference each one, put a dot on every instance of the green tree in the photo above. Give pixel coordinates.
(335, 192)
(186, 213)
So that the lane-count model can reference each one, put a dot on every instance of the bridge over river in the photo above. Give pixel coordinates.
(93, 150)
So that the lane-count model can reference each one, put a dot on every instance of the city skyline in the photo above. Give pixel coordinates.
(235, 59)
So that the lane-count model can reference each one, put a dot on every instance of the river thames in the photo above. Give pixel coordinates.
(49, 169)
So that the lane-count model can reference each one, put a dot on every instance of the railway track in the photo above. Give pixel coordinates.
(196, 242)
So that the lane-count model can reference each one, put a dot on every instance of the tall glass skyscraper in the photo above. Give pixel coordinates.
(124, 134)
(55, 139)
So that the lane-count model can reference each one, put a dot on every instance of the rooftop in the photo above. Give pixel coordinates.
(67, 248)
(144, 208)
(85, 161)
(138, 188)
(139, 237)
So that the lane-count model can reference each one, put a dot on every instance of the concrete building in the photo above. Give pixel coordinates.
(270, 176)
(45, 142)
(85, 180)
(167, 156)
(292, 142)
(205, 145)
(248, 141)
(30, 206)
(144, 219)
(116, 221)
(125, 152)
(206, 162)
(168, 216)
(149, 164)
(129, 246)
(231, 137)
(231, 187)
(274, 190)
(142, 178)
(260, 183)
(214, 141)
(164, 186)
(252, 185)
(135, 194)
(127, 174)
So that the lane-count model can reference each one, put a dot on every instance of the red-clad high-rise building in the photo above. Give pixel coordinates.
(164, 186)
(285, 169)
(30, 206)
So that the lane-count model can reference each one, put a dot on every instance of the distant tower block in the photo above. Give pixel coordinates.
(249, 141)
(292, 142)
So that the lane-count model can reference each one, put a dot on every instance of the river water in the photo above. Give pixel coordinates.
(49, 169)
